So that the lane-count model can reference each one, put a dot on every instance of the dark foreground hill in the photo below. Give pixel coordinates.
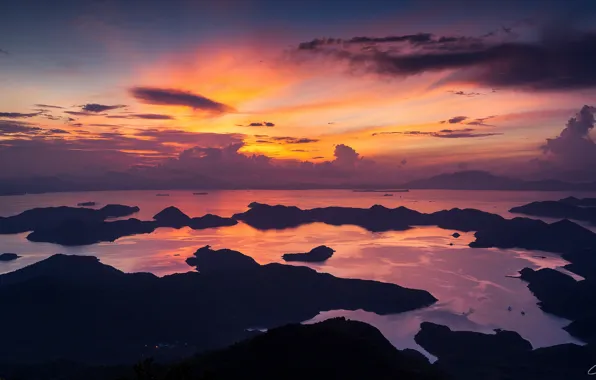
(75, 308)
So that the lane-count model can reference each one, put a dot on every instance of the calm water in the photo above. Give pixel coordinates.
(471, 284)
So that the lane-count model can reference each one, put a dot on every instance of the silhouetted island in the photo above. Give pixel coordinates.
(466, 355)
(491, 230)
(70, 226)
(94, 313)
(561, 295)
(173, 217)
(333, 349)
(8, 257)
(585, 202)
(42, 217)
(564, 208)
(317, 254)
(342, 349)
(86, 204)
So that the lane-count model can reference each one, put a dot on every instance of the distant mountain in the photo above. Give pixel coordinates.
(463, 180)
(481, 180)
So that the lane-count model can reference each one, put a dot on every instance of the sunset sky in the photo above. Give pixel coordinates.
(307, 89)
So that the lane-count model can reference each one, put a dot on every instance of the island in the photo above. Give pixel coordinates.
(116, 317)
(467, 355)
(36, 218)
(70, 226)
(8, 257)
(317, 254)
(569, 208)
(491, 230)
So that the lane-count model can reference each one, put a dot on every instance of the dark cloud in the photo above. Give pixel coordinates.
(19, 129)
(59, 131)
(18, 115)
(457, 119)
(345, 156)
(198, 139)
(261, 136)
(560, 60)
(293, 140)
(145, 116)
(299, 150)
(419, 39)
(463, 93)
(47, 106)
(81, 113)
(261, 124)
(462, 135)
(94, 107)
(171, 97)
(444, 133)
(10, 127)
(2, 51)
(105, 125)
(456, 130)
(481, 121)
(318, 157)
(573, 148)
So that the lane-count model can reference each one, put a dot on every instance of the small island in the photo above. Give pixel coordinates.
(8, 257)
(315, 255)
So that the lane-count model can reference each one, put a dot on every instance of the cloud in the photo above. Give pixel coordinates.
(171, 97)
(294, 140)
(573, 148)
(571, 58)
(197, 139)
(47, 106)
(19, 129)
(345, 156)
(463, 93)
(419, 39)
(104, 125)
(9, 127)
(457, 119)
(444, 133)
(81, 113)
(145, 116)
(481, 121)
(18, 115)
(2, 51)
(94, 107)
(261, 124)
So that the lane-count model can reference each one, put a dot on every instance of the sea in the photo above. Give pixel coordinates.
(475, 287)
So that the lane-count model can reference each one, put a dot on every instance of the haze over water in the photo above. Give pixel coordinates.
(471, 284)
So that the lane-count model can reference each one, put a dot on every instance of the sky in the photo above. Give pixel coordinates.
(249, 92)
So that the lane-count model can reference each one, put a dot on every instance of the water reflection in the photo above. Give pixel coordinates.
(472, 286)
